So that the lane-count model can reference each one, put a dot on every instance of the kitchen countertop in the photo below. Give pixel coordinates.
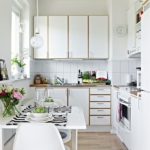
(131, 89)
(70, 85)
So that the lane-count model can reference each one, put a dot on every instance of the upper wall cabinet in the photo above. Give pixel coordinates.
(41, 53)
(78, 37)
(73, 37)
(98, 37)
(131, 29)
(58, 37)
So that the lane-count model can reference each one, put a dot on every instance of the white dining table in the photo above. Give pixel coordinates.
(75, 122)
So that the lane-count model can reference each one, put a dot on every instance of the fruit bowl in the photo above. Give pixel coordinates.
(39, 112)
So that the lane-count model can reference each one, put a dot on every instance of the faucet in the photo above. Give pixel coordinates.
(59, 81)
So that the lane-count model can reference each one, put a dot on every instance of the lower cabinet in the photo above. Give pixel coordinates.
(94, 101)
(59, 95)
(136, 124)
(100, 120)
(100, 106)
(80, 97)
(114, 109)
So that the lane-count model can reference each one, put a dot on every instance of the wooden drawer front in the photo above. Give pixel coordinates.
(99, 104)
(99, 120)
(99, 111)
(100, 90)
(99, 98)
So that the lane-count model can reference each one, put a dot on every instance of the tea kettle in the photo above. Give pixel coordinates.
(3, 70)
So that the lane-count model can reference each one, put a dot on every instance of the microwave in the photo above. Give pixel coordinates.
(138, 74)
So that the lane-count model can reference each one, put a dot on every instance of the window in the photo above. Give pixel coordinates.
(15, 35)
(20, 42)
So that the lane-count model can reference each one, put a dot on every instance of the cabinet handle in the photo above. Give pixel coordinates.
(100, 103)
(100, 96)
(100, 110)
(100, 117)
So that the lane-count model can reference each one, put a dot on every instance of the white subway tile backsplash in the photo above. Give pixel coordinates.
(132, 66)
(116, 66)
(116, 78)
(60, 67)
(73, 67)
(123, 78)
(124, 66)
(118, 69)
(66, 67)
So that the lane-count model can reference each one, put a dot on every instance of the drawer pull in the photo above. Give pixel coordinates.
(100, 110)
(100, 117)
(100, 103)
(100, 96)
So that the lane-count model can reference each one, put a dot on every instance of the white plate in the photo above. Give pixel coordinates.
(33, 118)
(39, 121)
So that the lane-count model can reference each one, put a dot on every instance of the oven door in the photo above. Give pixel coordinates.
(125, 113)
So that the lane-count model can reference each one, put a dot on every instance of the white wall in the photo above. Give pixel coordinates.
(73, 7)
(5, 30)
(5, 38)
(118, 16)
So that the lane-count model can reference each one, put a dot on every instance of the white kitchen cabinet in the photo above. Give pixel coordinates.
(132, 31)
(101, 91)
(98, 37)
(59, 95)
(135, 124)
(78, 37)
(58, 37)
(100, 120)
(114, 110)
(100, 106)
(80, 97)
(42, 52)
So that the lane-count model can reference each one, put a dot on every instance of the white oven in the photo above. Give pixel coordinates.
(124, 111)
(124, 117)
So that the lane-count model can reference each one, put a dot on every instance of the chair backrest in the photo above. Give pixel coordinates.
(38, 136)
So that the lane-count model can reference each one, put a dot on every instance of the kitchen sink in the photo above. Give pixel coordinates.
(73, 85)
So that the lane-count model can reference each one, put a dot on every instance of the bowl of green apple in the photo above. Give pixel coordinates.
(39, 112)
(49, 102)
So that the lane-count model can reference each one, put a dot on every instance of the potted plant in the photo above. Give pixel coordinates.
(19, 66)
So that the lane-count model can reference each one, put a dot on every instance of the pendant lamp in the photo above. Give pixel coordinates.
(37, 40)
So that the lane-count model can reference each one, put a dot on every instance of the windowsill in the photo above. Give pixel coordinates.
(13, 80)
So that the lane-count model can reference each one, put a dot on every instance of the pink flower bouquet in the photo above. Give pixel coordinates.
(10, 97)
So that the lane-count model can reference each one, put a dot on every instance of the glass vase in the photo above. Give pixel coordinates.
(9, 109)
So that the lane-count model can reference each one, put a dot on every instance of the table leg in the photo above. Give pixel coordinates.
(74, 139)
(1, 139)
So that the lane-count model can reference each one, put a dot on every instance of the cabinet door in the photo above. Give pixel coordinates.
(41, 53)
(114, 109)
(98, 37)
(135, 122)
(78, 37)
(59, 95)
(80, 98)
(144, 130)
(131, 29)
(58, 37)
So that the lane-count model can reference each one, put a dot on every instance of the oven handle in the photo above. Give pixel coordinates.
(126, 104)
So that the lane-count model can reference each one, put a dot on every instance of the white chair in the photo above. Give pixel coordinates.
(65, 134)
(38, 136)
(66, 137)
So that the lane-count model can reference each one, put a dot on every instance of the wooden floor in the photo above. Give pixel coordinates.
(99, 141)
(94, 141)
